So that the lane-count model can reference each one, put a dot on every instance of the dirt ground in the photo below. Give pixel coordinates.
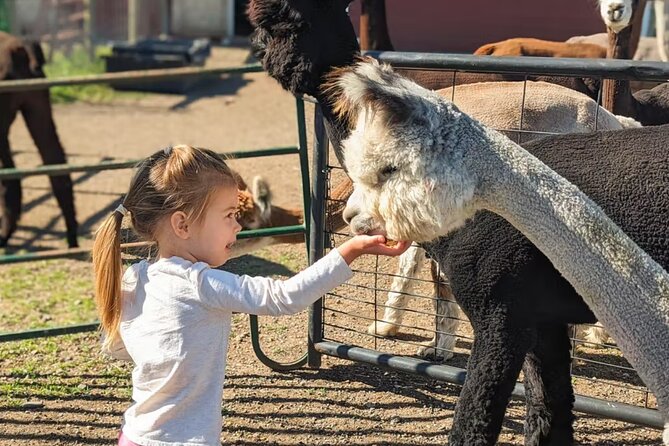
(340, 403)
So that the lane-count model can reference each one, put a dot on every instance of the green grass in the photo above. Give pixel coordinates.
(45, 294)
(78, 63)
(59, 368)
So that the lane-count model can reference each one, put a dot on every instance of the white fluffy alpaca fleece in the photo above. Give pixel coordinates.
(420, 190)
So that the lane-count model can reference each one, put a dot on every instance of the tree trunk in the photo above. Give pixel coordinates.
(373, 26)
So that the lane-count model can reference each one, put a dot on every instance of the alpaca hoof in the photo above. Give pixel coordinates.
(383, 329)
(72, 241)
(430, 352)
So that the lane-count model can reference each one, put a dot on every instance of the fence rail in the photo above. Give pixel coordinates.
(610, 68)
(61, 169)
(125, 76)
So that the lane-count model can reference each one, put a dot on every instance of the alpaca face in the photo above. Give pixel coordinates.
(617, 14)
(411, 179)
(297, 41)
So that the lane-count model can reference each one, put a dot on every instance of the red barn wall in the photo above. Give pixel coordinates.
(462, 26)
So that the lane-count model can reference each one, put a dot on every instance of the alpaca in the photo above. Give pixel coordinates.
(646, 50)
(521, 46)
(256, 211)
(535, 108)
(649, 107)
(297, 43)
(422, 168)
(21, 60)
(330, 25)
(547, 108)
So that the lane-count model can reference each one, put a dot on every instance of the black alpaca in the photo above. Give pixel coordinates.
(519, 305)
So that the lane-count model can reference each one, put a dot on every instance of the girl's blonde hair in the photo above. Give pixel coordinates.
(179, 178)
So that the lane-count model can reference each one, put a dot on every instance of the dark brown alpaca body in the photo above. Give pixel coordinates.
(20, 60)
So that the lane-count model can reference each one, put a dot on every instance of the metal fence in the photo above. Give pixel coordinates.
(342, 321)
(300, 149)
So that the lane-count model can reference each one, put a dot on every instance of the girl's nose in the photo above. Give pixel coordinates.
(238, 227)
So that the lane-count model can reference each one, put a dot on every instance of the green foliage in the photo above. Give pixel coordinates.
(79, 63)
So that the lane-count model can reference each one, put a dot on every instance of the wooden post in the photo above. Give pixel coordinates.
(89, 27)
(373, 26)
(166, 22)
(132, 20)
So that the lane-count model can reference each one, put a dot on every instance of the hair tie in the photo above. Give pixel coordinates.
(121, 209)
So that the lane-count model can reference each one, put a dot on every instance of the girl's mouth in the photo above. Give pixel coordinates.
(230, 245)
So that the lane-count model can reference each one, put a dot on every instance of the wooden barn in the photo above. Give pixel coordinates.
(461, 27)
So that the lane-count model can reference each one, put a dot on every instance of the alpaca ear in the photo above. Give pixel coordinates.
(368, 85)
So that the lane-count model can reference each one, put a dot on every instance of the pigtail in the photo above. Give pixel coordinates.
(108, 269)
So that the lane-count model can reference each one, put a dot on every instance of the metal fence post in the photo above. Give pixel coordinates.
(316, 229)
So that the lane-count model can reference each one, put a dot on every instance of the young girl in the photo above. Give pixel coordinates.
(172, 317)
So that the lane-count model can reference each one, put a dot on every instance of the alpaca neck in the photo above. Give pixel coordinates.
(616, 94)
(621, 284)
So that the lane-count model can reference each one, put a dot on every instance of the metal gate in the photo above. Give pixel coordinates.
(339, 322)
(145, 76)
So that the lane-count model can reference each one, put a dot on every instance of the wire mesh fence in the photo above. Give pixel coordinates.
(404, 306)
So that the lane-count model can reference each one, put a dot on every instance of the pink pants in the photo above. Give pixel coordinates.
(123, 440)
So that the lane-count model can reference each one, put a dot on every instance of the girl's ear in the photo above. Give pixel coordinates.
(179, 223)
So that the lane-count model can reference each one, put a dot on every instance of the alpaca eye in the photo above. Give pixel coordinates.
(388, 170)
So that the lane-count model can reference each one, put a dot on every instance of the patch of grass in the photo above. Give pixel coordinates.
(46, 293)
(78, 63)
(62, 367)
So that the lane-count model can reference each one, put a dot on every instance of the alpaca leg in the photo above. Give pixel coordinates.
(447, 312)
(36, 110)
(548, 389)
(496, 360)
(11, 189)
(409, 265)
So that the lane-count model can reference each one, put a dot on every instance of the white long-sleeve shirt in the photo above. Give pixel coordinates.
(175, 326)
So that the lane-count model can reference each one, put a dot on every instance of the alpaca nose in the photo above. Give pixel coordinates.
(352, 206)
(616, 12)
(349, 213)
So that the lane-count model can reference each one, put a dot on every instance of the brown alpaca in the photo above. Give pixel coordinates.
(23, 60)
(522, 46)
(256, 211)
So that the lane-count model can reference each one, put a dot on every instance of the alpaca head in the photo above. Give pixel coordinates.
(617, 14)
(254, 209)
(297, 41)
(411, 178)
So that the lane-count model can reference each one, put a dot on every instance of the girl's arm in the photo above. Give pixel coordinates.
(265, 296)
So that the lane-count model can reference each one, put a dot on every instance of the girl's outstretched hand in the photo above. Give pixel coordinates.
(371, 244)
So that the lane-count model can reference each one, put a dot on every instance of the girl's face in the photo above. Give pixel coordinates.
(211, 238)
